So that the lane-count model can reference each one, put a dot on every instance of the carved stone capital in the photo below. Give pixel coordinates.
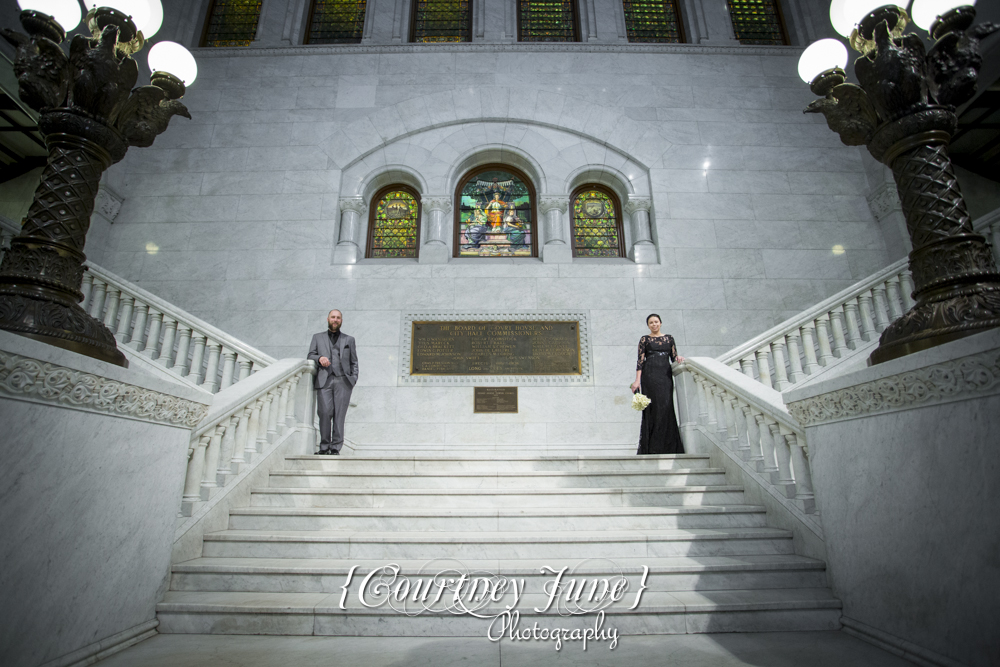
(546, 204)
(438, 204)
(355, 204)
(638, 204)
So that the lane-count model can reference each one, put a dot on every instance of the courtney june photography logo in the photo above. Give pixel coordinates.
(547, 604)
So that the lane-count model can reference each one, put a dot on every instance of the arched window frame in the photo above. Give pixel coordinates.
(615, 200)
(203, 42)
(457, 204)
(373, 209)
(312, 14)
(576, 23)
(413, 22)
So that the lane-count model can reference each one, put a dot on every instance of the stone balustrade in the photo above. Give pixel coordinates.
(243, 422)
(749, 422)
(180, 343)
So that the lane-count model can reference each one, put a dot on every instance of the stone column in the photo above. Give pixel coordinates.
(435, 250)
(348, 250)
(643, 250)
(556, 250)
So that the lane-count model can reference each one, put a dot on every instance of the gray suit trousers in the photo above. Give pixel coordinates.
(331, 404)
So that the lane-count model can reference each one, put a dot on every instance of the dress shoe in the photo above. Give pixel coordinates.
(325, 452)
(334, 452)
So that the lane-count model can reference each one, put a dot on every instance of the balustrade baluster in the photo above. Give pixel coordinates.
(194, 374)
(894, 299)
(225, 469)
(764, 367)
(212, 369)
(282, 412)
(803, 476)
(111, 301)
(97, 301)
(778, 355)
(823, 338)
(753, 435)
(742, 438)
(153, 338)
(228, 367)
(732, 431)
(704, 406)
(123, 329)
(785, 480)
(167, 347)
(769, 466)
(837, 326)
(293, 391)
(195, 471)
(746, 363)
(809, 347)
(881, 312)
(87, 288)
(794, 356)
(867, 308)
(183, 343)
(245, 366)
(906, 289)
(253, 429)
(265, 418)
(272, 416)
(853, 330)
(212, 460)
(720, 414)
(138, 340)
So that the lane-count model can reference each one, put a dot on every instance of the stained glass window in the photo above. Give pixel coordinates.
(597, 230)
(336, 22)
(546, 21)
(496, 215)
(394, 229)
(442, 21)
(653, 21)
(757, 21)
(232, 23)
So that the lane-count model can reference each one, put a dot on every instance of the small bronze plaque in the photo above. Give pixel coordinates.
(495, 348)
(495, 399)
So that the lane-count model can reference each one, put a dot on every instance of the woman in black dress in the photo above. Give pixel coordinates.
(659, 433)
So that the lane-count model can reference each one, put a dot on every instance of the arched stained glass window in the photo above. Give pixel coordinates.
(231, 23)
(596, 220)
(495, 215)
(394, 223)
(653, 21)
(442, 21)
(546, 21)
(336, 22)
(757, 22)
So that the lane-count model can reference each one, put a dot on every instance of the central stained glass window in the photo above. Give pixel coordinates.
(336, 22)
(757, 22)
(442, 21)
(546, 21)
(394, 228)
(496, 215)
(652, 21)
(232, 23)
(597, 229)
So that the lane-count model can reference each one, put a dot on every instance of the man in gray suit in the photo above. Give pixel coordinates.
(336, 376)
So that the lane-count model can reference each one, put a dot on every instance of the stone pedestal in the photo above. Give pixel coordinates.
(435, 249)
(555, 250)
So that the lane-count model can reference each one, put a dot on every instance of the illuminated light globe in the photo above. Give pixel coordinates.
(855, 10)
(155, 19)
(66, 12)
(838, 18)
(174, 59)
(820, 56)
(924, 12)
(137, 9)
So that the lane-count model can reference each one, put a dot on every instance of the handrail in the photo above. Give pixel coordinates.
(241, 422)
(750, 423)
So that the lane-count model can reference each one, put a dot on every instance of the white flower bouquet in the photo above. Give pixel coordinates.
(639, 402)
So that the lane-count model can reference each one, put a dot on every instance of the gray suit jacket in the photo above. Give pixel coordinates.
(320, 347)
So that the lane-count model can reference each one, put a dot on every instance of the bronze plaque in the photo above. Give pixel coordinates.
(495, 399)
(495, 348)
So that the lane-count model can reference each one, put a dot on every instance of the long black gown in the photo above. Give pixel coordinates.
(659, 433)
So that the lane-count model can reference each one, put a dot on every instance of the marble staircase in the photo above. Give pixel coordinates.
(714, 563)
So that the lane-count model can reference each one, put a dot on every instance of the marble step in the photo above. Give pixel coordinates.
(761, 610)
(503, 450)
(496, 498)
(506, 519)
(495, 480)
(312, 575)
(497, 544)
(492, 463)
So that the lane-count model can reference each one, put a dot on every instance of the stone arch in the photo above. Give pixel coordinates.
(498, 154)
(609, 177)
(381, 177)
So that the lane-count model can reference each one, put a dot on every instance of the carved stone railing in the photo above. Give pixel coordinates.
(243, 421)
(751, 425)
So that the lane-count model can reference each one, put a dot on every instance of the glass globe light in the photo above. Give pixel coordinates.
(137, 9)
(855, 10)
(173, 58)
(924, 12)
(66, 12)
(820, 56)
(838, 18)
(155, 19)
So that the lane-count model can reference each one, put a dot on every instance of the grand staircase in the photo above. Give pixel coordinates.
(714, 565)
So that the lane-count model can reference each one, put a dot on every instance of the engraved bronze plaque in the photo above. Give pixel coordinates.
(495, 348)
(495, 399)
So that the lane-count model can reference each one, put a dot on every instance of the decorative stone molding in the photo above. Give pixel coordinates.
(973, 376)
(585, 378)
(638, 204)
(884, 200)
(546, 204)
(354, 204)
(523, 47)
(442, 204)
(108, 203)
(31, 379)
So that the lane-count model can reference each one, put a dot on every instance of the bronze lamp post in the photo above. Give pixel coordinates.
(90, 115)
(904, 113)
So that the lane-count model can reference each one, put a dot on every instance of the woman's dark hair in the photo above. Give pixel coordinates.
(653, 315)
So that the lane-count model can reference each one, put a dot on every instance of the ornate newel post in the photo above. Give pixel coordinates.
(904, 112)
(90, 116)
(435, 250)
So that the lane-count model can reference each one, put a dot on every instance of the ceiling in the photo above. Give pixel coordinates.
(21, 145)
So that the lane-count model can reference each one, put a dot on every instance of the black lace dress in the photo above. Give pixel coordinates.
(659, 433)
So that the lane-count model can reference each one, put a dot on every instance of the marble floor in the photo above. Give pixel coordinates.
(765, 649)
